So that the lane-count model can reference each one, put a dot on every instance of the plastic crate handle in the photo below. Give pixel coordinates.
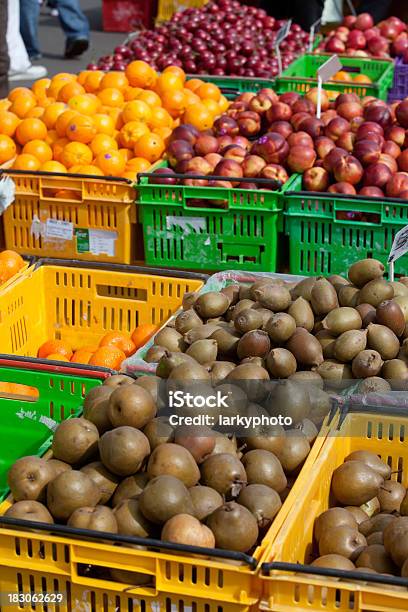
(339, 208)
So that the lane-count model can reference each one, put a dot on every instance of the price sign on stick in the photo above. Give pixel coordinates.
(399, 248)
(282, 34)
(324, 73)
(313, 29)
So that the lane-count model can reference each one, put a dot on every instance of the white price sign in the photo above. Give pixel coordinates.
(399, 248)
(282, 34)
(313, 29)
(324, 73)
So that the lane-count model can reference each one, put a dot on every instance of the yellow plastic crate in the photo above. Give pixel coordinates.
(167, 8)
(80, 302)
(182, 582)
(73, 217)
(283, 591)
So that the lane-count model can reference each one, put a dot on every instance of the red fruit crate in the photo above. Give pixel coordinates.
(127, 15)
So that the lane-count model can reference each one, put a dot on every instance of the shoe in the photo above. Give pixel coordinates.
(54, 12)
(31, 74)
(36, 57)
(75, 47)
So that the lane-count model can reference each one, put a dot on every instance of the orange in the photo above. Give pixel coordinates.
(150, 97)
(176, 70)
(342, 75)
(39, 88)
(163, 132)
(223, 104)
(112, 163)
(90, 169)
(102, 143)
(86, 104)
(130, 174)
(191, 97)
(75, 169)
(194, 84)
(54, 346)
(58, 82)
(40, 149)
(57, 357)
(82, 356)
(131, 93)
(67, 194)
(26, 162)
(168, 81)
(108, 357)
(18, 92)
(199, 116)
(82, 76)
(93, 81)
(208, 91)
(52, 137)
(121, 340)
(7, 148)
(150, 146)
(131, 132)
(52, 166)
(142, 334)
(5, 104)
(160, 118)
(362, 78)
(76, 153)
(140, 74)
(63, 76)
(174, 101)
(127, 154)
(36, 112)
(10, 263)
(137, 164)
(62, 121)
(111, 97)
(81, 128)
(104, 124)
(8, 123)
(116, 80)
(136, 110)
(22, 105)
(58, 147)
(212, 106)
(116, 115)
(73, 88)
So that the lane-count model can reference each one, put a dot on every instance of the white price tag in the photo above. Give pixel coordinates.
(102, 242)
(187, 224)
(313, 29)
(326, 70)
(400, 244)
(62, 230)
(283, 32)
(7, 192)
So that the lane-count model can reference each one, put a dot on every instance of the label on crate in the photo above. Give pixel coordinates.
(400, 244)
(97, 242)
(187, 224)
(62, 230)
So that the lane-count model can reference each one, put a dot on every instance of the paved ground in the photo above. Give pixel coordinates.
(53, 43)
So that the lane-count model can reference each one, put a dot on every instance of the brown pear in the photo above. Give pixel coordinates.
(354, 483)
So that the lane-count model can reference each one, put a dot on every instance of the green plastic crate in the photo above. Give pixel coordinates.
(301, 76)
(27, 422)
(323, 241)
(243, 236)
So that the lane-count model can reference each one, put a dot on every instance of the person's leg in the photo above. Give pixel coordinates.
(4, 58)
(75, 26)
(29, 13)
(379, 9)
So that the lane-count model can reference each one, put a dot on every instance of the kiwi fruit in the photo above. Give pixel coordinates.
(211, 304)
(355, 483)
(248, 320)
(69, 491)
(348, 296)
(281, 363)
(131, 405)
(205, 500)
(382, 340)
(164, 497)
(273, 297)
(367, 313)
(123, 450)
(232, 293)
(305, 348)
(396, 371)
(391, 495)
(186, 529)
(323, 297)
(159, 431)
(234, 527)
(333, 371)
(96, 404)
(280, 327)
(130, 520)
(375, 292)
(304, 288)
(341, 320)
(254, 343)
(155, 353)
(374, 384)
(342, 540)
(219, 371)
(203, 351)
(349, 344)
(262, 501)
(301, 311)
(95, 518)
(117, 380)
(170, 339)
(169, 361)
(29, 510)
(375, 557)
(28, 478)
(200, 333)
(294, 451)
(224, 473)
(389, 313)
(364, 271)
(186, 320)
(367, 363)
(263, 467)
(132, 486)
(189, 371)
(104, 480)
(189, 299)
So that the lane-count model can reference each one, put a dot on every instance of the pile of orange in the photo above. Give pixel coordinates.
(350, 77)
(113, 348)
(10, 263)
(114, 124)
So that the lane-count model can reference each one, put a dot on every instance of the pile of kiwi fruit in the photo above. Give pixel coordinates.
(121, 469)
(367, 530)
(324, 331)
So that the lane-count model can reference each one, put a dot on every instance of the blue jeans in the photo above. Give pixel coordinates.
(73, 22)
